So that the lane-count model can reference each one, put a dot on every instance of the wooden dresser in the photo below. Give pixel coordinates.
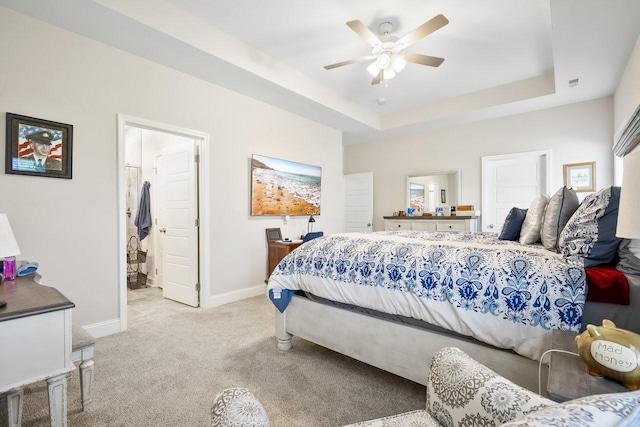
(432, 223)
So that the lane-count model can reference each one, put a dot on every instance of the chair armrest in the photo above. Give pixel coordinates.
(463, 391)
(234, 407)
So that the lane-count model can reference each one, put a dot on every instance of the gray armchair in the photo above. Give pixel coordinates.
(462, 392)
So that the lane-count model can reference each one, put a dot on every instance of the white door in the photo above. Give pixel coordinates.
(179, 229)
(358, 202)
(160, 207)
(512, 180)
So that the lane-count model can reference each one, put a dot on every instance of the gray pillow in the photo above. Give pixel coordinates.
(560, 208)
(530, 232)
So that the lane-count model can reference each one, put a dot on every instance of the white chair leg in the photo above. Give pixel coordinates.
(86, 380)
(58, 400)
(14, 407)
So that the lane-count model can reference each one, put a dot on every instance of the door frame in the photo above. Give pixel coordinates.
(204, 245)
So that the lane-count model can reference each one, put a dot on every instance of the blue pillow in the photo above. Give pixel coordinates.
(590, 234)
(311, 236)
(513, 224)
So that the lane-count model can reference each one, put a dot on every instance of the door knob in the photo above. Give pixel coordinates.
(369, 224)
(490, 226)
(163, 230)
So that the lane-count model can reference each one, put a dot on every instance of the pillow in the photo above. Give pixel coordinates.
(590, 234)
(530, 232)
(560, 208)
(602, 410)
(513, 224)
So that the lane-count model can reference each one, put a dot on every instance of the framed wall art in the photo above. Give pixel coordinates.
(38, 147)
(580, 176)
(284, 187)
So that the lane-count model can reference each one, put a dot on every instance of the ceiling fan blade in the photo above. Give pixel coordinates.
(416, 58)
(351, 61)
(423, 30)
(364, 32)
(378, 79)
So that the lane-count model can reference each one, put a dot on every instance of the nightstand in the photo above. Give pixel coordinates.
(568, 376)
(277, 251)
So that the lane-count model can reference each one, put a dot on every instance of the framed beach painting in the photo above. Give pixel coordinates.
(38, 147)
(580, 176)
(284, 187)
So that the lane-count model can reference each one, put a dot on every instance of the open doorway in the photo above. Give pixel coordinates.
(162, 184)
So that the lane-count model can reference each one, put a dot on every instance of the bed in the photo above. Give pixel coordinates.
(392, 299)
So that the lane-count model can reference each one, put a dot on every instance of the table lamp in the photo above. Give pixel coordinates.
(310, 225)
(629, 208)
(8, 248)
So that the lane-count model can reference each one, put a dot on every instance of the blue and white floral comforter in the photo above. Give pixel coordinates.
(500, 292)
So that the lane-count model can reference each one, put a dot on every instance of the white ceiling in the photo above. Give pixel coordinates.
(501, 56)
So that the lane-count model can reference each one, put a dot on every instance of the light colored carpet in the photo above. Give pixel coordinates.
(167, 367)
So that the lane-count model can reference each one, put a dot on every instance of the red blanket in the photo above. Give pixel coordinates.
(607, 284)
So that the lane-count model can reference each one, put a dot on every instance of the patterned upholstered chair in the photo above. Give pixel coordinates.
(462, 392)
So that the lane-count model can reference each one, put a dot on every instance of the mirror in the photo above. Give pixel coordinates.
(434, 189)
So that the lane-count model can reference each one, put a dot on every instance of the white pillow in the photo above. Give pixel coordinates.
(530, 232)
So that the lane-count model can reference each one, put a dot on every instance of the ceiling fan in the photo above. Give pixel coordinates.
(388, 50)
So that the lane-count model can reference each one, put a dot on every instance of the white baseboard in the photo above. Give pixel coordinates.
(113, 326)
(226, 298)
(102, 329)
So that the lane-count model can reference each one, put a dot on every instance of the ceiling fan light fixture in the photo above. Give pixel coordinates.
(383, 61)
(387, 50)
(373, 69)
(398, 62)
(389, 73)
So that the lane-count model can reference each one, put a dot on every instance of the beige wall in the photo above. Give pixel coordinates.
(71, 226)
(574, 133)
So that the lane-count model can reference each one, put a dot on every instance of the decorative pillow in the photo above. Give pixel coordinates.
(530, 232)
(590, 234)
(238, 407)
(601, 410)
(560, 208)
(513, 224)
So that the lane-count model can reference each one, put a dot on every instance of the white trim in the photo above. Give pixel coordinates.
(102, 329)
(204, 207)
(234, 296)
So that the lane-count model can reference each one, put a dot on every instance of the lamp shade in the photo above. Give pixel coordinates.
(8, 245)
(629, 209)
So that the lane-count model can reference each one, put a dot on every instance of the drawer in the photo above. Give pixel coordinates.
(397, 225)
(451, 226)
(424, 225)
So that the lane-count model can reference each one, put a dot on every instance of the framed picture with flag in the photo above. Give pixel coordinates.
(38, 147)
